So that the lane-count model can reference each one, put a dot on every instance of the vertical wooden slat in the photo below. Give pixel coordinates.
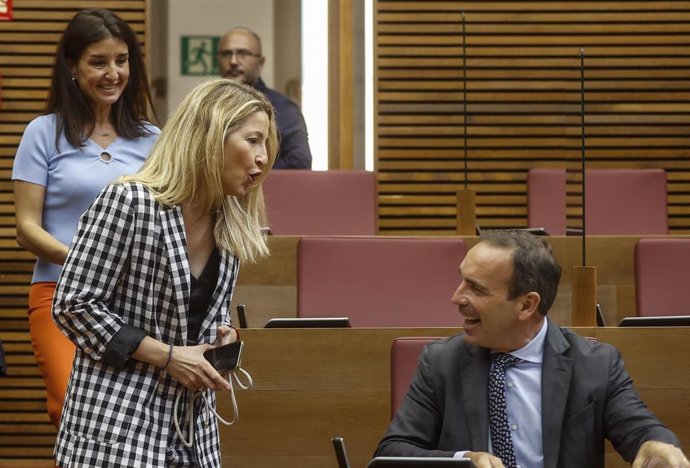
(346, 84)
(341, 126)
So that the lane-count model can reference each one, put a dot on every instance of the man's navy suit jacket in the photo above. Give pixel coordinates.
(587, 396)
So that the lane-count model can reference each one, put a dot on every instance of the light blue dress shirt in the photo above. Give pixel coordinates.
(523, 402)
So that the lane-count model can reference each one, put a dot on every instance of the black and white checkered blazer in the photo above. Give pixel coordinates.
(128, 265)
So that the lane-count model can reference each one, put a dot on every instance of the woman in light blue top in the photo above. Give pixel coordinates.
(95, 130)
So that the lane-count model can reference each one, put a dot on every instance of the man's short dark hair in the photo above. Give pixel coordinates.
(534, 266)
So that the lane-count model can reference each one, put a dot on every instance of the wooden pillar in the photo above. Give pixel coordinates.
(584, 296)
(341, 85)
(466, 213)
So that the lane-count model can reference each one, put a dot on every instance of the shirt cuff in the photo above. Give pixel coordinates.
(460, 454)
(121, 347)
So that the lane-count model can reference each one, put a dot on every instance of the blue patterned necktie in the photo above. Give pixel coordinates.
(501, 440)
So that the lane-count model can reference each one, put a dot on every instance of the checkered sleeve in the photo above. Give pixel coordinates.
(96, 260)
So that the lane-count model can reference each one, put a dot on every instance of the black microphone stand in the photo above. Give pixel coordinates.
(584, 278)
(466, 208)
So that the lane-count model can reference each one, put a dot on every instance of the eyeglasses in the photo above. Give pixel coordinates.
(241, 54)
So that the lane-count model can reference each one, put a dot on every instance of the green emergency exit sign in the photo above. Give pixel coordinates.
(198, 55)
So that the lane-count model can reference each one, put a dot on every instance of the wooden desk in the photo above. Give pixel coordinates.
(269, 288)
(311, 385)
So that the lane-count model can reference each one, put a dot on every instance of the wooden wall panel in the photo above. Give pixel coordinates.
(523, 103)
(27, 48)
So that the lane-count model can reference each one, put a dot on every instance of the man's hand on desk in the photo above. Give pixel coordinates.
(484, 460)
(654, 454)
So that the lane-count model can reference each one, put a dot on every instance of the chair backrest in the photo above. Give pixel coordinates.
(546, 200)
(303, 202)
(405, 353)
(662, 277)
(626, 202)
(618, 201)
(380, 281)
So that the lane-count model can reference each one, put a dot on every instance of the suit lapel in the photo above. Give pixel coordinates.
(176, 245)
(474, 375)
(555, 385)
(225, 276)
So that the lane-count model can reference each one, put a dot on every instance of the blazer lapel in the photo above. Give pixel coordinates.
(176, 244)
(555, 384)
(225, 277)
(474, 375)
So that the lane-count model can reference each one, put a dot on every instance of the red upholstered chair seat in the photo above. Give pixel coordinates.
(405, 354)
(662, 277)
(301, 202)
(617, 201)
(380, 281)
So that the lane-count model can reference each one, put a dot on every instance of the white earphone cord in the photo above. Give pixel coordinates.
(189, 416)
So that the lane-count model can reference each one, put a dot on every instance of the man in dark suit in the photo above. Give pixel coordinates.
(560, 399)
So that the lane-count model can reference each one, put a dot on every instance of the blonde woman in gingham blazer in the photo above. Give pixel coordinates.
(124, 293)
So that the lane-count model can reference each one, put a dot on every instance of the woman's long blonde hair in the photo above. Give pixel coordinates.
(187, 161)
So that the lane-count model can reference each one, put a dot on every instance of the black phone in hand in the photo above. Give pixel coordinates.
(226, 357)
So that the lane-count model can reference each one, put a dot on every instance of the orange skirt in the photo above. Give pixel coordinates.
(54, 351)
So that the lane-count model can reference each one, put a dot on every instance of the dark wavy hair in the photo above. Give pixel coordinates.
(72, 108)
(534, 266)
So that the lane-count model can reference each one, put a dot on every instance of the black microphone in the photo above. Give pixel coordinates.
(583, 150)
(242, 315)
(464, 94)
(466, 200)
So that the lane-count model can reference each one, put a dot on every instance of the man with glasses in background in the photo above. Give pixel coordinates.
(240, 58)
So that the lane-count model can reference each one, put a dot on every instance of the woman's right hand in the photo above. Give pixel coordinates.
(189, 367)
(186, 364)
